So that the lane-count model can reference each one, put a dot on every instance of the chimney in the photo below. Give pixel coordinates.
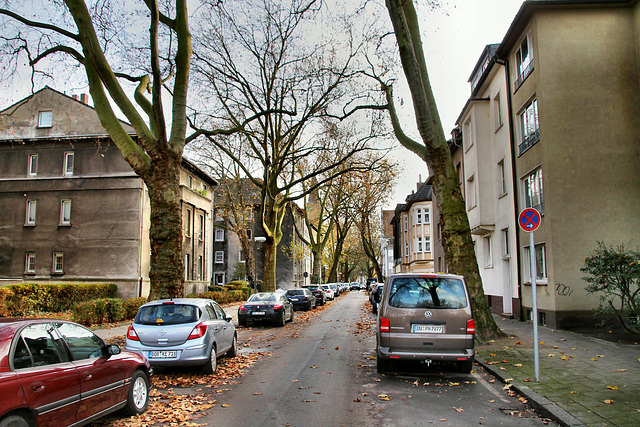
(84, 98)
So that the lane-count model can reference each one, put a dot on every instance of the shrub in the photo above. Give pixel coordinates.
(236, 285)
(615, 274)
(6, 296)
(33, 298)
(106, 310)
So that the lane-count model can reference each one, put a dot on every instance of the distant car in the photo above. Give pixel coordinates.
(329, 293)
(301, 298)
(375, 297)
(266, 306)
(183, 332)
(317, 292)
(420, 309)
(335, 288)
(59, 373)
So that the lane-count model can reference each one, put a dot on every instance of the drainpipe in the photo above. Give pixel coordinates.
(512, 141)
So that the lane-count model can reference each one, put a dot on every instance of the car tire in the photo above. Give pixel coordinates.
(291, 319)
(212, 363)
(374, 308)
(464, 366)
(283, 320)
(138, 396)
(233, 351)
(14, 421)
(242, 322)
(382, 364)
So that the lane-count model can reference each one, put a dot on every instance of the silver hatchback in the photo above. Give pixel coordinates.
(425, 317)
(182, 332)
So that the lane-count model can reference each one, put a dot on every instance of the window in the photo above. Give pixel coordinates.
(58, 262)
(250, 234)
(33, 164)
(524, 61)
(187, 267)
(497, 112)
(427, 244)
(419, 216)
(204, 188)
(200, 267)
(427, 292)
(405, 219)
(43, 347)
(541, 262)
(31, 213)
(83, 344)
(219, 235)
(219, 257)
(427, 215)
(467, 135)
(65, 212)
(201, 231)
(502, 179)
(406, 249)
(488, 256)
(419, 244)
(533, 191)
(30, 263)
(68, 163)
(529, 127)
(45, 119)
(505, 242)
(189, 181)
(187, 225)
(471, 192)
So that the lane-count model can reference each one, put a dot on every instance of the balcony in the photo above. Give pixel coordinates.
(529, 142)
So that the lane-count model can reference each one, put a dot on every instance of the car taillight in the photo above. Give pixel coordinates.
(277, 306)
(131, 334)
(471, 326)
(242, 308)
(384, 324)
(198, 331)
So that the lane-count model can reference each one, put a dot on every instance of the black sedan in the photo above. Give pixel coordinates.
(301, 299)
(266, 306)
(319, 293)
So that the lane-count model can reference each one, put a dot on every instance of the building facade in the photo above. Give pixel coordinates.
(75, 211)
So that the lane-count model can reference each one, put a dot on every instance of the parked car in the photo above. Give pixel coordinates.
(266, 306)
(328, 292)
(426, 317)
(54, 372)
(334, 287)
(301, 298)
(317, 292)
(374, 297)
(183, 332)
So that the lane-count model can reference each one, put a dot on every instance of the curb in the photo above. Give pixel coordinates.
(543, 406)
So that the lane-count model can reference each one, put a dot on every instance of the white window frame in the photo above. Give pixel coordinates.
(187, 227)
(419, 244)
(58, 262)
(505, 243)
(45, 119)
(202, 225)
(219, 235)
(427, 243)
(418, 216)
(219, 257)
(200, 267)
(467, 134)
(524, 61)
(497, 112)
(187, 266)
(488, 252)
(528, 126)
(30, 217)
(502, 179)
(30, 263)
(189, 181)
(541, 262)
(67, 166)
(405, 220)
(33, 165)
(406, 249)
(471, 192)
(427, 215)
(533, 190)
(65, 212)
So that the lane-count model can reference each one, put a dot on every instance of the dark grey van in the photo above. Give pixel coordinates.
(425, 317)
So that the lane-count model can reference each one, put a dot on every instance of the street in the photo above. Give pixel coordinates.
(323, 372)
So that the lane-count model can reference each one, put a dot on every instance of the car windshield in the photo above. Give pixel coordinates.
(167, 314)
(262, 296)
(292, 292)
(313, 288)
(427, 292)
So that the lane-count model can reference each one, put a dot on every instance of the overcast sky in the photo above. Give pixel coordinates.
(452, 44)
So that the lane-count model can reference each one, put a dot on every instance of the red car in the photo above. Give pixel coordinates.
(59, 373)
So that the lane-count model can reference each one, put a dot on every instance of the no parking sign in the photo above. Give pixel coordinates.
(529, 219)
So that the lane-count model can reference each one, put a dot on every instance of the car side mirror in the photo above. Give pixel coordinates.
(228, 318)
(113, 350)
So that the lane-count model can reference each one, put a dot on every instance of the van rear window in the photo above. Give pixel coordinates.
(427, 292)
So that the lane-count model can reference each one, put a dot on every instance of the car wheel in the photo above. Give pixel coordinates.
(382, 364)
(291, 319)
(375, 307)
(233, 351)
(212, 364)
(283, 320)
(138, 398)
(14, 421)
(464, 366)
(242, 322)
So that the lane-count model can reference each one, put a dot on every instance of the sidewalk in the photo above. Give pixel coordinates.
(583, 380)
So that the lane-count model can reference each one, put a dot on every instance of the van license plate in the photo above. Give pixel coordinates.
(163, 354)
(428, 329)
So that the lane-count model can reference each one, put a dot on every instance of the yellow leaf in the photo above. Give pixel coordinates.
(383, 397)
(594, 359)
(563, 358)
(552, 355)
(608, 401)
(225, 405)
(542, 342)
(519, 343)
(518, 365)
(612, 388)
(621, 370)
(573, 392)
(453, 384)
(507, 386)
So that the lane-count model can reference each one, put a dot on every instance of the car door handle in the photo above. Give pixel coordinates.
(37, 386)
(87, 375)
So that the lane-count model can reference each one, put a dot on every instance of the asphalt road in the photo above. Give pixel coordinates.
(323, 372)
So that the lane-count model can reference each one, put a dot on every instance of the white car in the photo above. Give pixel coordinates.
(328, 292)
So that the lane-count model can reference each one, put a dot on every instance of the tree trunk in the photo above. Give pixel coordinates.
(167, 268)
(269, 281)
(456, 233)
(316, 274)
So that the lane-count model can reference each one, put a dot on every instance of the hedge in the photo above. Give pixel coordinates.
(32, 298)
(106, 310)
(224, 297)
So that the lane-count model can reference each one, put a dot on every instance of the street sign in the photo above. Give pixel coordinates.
(529, 219)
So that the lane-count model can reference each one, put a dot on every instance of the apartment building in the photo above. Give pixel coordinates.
(73, 208)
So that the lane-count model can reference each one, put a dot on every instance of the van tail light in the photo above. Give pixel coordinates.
(198, 331)
(132, 334)
(277, 306)
(471, 326)
(384, 324)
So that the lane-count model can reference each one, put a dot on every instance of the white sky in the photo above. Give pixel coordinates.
(452, 44)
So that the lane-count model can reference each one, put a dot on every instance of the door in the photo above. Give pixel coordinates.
(223, 329)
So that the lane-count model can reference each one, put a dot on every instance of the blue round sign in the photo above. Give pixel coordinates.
(529, 219)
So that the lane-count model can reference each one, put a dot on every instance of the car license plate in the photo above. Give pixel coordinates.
(428, 329)
(259, 313)
(165, 354)
(295, 299)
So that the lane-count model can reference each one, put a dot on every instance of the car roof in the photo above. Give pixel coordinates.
(434, 275)
(192, 301)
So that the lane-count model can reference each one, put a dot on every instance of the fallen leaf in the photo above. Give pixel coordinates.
(615, 387)
(520, 343)
(257, 394)
(458, 409)
(453, 384)
(573, 392)
(383, 397)
(621, 370)
(507, 386)
(608, 401)
(518, 365)
(542, 342)
(563, 358)
(225, 405)
(313, 367)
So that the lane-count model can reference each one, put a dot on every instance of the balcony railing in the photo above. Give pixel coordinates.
(523, 76)
(529, 142)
